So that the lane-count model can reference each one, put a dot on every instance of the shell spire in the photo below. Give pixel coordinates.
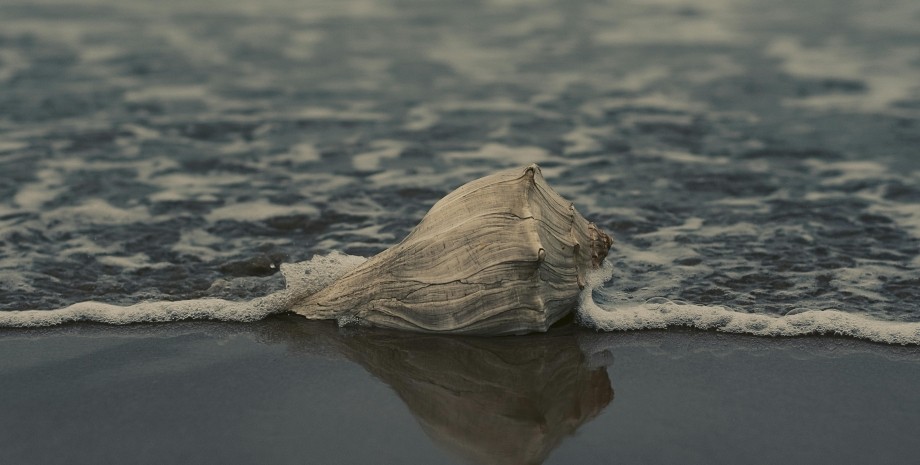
(504, 254)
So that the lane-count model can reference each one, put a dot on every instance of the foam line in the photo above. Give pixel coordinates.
(661, 313)
(305, 278)
(301, 279)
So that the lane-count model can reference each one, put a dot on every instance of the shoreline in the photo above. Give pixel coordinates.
(156, 327)
(288, 390)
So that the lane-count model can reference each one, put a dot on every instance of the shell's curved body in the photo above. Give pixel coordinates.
(504, 254)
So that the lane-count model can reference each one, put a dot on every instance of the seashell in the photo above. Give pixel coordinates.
(504, 254)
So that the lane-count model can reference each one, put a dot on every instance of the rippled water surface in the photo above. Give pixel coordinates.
(758, 155)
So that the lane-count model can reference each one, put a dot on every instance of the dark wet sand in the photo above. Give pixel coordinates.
(285, 390)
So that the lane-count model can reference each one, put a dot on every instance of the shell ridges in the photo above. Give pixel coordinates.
(504, 254)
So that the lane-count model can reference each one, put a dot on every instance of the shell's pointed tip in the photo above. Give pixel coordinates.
(532, 172)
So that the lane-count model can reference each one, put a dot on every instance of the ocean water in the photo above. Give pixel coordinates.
(757, 162)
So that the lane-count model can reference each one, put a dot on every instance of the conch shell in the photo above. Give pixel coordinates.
(504, 254)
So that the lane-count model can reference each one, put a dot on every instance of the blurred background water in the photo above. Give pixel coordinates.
(760, 155)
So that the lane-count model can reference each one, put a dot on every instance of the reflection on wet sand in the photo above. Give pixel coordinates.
(487, 400)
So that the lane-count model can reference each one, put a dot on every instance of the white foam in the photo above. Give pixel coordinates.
(583, 140)
(183, 186)
(666, 30)
(328, 114)
(500, 153)
(11, 146)
(380, 150)
(11, 62)
(661, 313)
(301, 280)
(35, 194)
(300, 153)
(679, 107)
(167, 93)
(421, 118)
(259, 210)
(472, 61)
(889, 77)
(305, 278)
(131, 262)
(99, 211)
(678, 156)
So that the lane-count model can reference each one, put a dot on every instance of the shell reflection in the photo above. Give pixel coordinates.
(486, 400)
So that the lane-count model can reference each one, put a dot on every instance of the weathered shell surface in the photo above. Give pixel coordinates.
(504, 254)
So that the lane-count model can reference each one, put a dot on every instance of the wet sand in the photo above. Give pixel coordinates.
(285, 390)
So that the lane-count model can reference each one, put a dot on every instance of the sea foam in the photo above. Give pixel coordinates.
(305, 278)
(661, 313)
(301, 279)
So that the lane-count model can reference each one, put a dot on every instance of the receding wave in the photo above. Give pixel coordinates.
(662, 313)
(301, 279)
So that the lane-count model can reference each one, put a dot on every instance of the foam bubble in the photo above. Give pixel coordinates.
(659, 313)
(301, 279)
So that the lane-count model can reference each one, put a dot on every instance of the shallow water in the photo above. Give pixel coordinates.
(754, 156)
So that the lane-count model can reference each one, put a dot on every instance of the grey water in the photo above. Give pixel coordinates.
(756, 155)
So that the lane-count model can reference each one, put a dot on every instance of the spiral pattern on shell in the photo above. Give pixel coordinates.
(504, 254)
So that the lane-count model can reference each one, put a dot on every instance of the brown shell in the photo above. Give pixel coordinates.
(504, 254)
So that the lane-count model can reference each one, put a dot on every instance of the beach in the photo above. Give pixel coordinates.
(286, 390)
(176, 176)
